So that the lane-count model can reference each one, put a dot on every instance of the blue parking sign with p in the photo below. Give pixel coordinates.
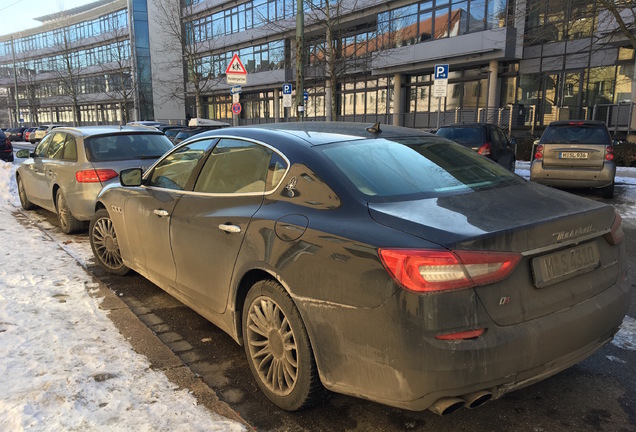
(287, 89)
(441, 71)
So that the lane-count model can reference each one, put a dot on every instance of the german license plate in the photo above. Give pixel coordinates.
(559, 266)
(573, 155)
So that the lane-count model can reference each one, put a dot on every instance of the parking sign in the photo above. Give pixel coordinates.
(441, 80)
(441, 71)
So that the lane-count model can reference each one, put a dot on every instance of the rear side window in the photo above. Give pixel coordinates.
(385, 170)
(126, 147)
(467, 136)
(576, 134)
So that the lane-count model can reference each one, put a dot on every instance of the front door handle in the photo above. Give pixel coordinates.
(160, 212)
(230, 228)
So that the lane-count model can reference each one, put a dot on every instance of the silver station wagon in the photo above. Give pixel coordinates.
(71, 165)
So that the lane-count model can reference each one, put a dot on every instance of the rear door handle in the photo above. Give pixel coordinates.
(230, 228)
(160, 212)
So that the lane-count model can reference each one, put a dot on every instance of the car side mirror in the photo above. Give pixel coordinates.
(130, 177)
(616, 142)
(23, 154)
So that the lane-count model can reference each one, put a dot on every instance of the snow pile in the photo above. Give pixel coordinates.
(64, 365)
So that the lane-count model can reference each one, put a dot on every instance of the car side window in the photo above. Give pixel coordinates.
(56, 147)
(237, 166)
(174, 170)
(495, 138)
(42, 148)
(70, 149)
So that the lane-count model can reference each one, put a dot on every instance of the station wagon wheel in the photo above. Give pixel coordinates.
(24, 199)
(104, 243)
(68, 223)
(278, 349)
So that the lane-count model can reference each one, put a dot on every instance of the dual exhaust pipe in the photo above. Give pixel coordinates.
(448, 405)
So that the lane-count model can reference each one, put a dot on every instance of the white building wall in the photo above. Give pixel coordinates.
(166, 65)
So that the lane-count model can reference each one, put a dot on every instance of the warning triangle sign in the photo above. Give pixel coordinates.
(235, 67)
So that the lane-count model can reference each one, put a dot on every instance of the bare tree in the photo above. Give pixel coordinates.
(121, 87)
(68, 69)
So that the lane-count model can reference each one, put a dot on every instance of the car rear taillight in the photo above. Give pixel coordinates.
(576, 123)
(538, 154)
(609, 153)
(616, 235)
(484, 150)
(426, 271)
(95, 175)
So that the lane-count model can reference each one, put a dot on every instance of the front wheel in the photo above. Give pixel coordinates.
(104, 243)
(24, 199)
(278, 349)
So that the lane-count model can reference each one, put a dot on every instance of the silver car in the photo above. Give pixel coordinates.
(71, 165)
(575, 154)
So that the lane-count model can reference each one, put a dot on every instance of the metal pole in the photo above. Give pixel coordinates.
(439, 109)
(300, 50)
(15, 81)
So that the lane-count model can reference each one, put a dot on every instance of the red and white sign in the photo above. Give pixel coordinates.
(236, 108)
(236, 72)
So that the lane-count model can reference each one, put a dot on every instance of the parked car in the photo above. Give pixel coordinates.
(375, 262)
(16, 134)
(484, 138)
(575, 154)
(197, 126)
(6, 148)
(27, 133)
(70, 165)
(173, 132)
(45, 129)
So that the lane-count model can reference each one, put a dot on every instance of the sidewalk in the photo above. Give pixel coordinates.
(73, 356)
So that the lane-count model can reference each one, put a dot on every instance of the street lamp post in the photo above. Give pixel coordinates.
(15, 82)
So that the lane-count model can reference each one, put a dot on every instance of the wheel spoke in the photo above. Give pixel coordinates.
(278, 367)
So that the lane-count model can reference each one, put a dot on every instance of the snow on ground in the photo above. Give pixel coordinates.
(64, 365)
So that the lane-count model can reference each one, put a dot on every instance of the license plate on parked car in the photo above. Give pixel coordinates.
(573, 155)
(559, 266)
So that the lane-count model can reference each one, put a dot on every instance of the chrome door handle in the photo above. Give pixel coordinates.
(160, 213)
(230, 228)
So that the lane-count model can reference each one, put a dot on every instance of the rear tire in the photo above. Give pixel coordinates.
(278, 349)
(608, 191)
(104, 244)
(68, 223)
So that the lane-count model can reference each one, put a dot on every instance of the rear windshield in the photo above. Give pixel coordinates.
(126, 147)
(412, 168)
(576, 134)
(466, 136)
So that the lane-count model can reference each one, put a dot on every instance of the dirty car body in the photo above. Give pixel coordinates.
(388, 251)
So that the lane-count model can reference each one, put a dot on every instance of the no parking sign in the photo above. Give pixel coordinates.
(236, 108)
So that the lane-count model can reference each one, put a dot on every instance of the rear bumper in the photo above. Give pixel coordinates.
(572, 177)
(398, 362)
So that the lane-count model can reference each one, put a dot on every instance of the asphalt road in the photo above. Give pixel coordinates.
(598, 394)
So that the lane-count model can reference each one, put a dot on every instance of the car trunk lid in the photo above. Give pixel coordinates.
(546, 226)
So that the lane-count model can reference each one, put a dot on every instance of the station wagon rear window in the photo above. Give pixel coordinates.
(126, 147)
(386, 170)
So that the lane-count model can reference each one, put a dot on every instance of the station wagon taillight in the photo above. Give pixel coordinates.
(609, 153)
(95, 175)
(538, 154)
(616, 235)
(484, 150)
(426, 270)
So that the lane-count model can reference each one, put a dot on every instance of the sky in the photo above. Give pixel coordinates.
(56, 378)
(19, 15)
(63, 363)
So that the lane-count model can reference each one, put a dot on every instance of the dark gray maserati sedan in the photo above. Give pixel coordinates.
(374, 261)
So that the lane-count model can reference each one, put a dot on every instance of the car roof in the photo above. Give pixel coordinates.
(316, 133)
(86, 131)
(577, 122)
